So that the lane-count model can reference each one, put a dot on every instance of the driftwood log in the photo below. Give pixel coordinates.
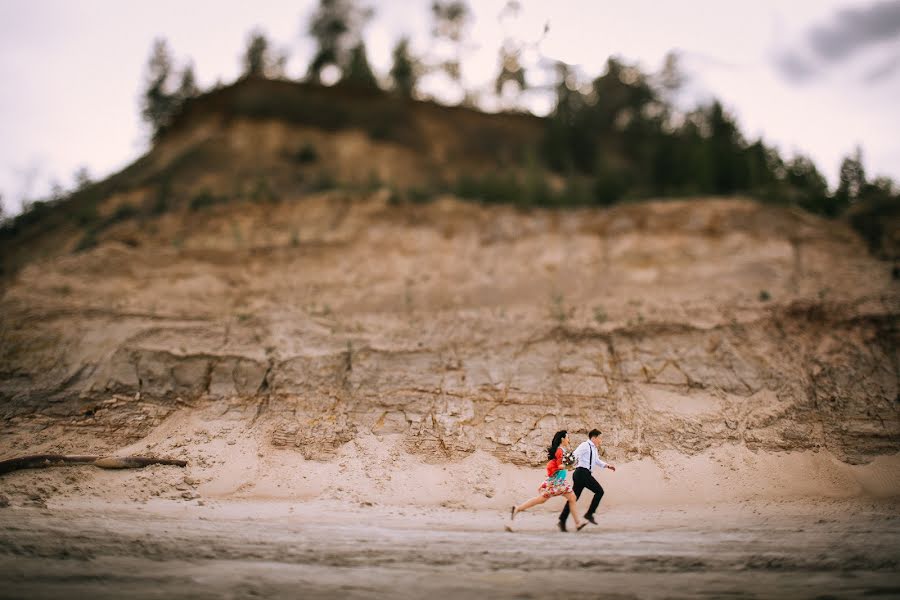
(39, 461)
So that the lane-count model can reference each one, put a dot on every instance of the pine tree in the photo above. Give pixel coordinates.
(359, 72)
(450, 18)
(188, 87)
(405, 70)
(808, 187)
(336, 27)
(725, 145)
(564, 140)
(261, 58)
(670, 78)
(761, 173)
(256, 56)
(852, 179)
(82, 178)
(158, 102)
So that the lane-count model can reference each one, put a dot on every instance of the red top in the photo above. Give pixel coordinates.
(556, 464)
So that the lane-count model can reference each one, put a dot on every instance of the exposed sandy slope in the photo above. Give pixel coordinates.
(417, 354)
(230, 459)
(681, 326)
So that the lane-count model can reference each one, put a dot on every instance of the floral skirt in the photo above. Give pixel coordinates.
(554, 486)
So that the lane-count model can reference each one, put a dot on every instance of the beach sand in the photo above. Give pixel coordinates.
(243, 521)
(323, 549)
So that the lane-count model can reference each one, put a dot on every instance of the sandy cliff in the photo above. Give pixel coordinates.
(449, 331)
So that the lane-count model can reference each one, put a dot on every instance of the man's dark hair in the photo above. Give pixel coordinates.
(594, 433)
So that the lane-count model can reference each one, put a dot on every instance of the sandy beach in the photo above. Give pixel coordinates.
(318, 549)
(730, 523)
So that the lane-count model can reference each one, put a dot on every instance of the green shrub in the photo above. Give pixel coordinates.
(373, 183)
(872, 219)
(262, 191)
(379, 131)
(307, 154)
(85, 215)
(205, 199)
(535, 191)
(34, 212)
(306, 109)
(609, 187)
(419, 195)
(162, 200)
(323, 181)
(577, 192)
(88, 240)
(558, 309)
(196, 159)
(491, 188)
(122, 213)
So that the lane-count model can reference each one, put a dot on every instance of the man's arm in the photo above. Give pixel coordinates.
(602, 464)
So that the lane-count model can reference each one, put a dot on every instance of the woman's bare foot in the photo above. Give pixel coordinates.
(580, 526)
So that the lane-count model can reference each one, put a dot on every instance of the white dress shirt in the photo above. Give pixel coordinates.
(587, 456)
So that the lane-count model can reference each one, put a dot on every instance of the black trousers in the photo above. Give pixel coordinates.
(581, 479)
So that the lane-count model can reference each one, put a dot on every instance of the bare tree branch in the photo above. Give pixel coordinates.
(40, 461)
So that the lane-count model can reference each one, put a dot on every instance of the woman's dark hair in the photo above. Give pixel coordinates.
(557, 440)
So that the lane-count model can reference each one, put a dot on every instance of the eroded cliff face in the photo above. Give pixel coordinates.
(671, 326)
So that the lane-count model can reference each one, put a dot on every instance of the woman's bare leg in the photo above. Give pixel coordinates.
(573, 507)
(526, 505)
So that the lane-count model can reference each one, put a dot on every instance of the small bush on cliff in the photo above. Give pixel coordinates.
(161, 200)
(85, 215)
(205, 199)
(558, 308)
(323, 181)
(490, 187)
(122, 213)
(88, 240)
(876, 221)
(262, 191)
(306, 154)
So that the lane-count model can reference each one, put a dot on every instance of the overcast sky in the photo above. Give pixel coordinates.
(814, 76)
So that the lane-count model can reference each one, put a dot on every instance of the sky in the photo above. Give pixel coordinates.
(818, 77)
